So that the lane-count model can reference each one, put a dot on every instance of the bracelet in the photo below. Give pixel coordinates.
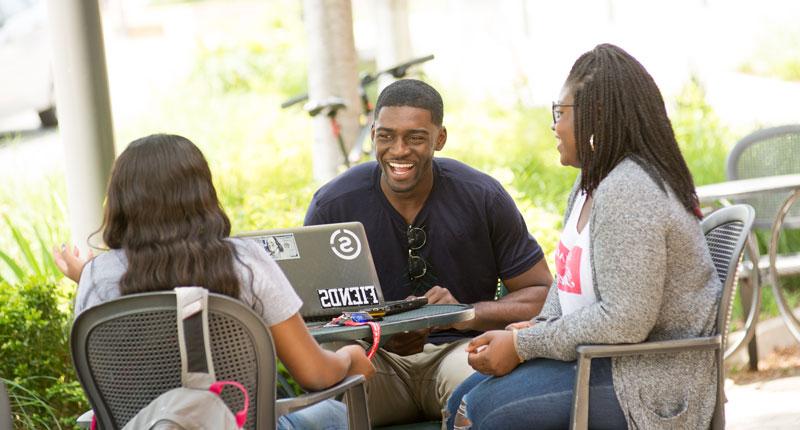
(514, 340)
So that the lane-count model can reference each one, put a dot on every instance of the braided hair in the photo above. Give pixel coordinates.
(619, 113)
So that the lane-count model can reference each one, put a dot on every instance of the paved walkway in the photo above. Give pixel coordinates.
(772, 402)
(767, 405)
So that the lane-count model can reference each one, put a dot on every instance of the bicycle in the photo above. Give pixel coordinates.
(330, 106)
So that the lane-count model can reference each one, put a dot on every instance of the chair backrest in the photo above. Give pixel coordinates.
(5, 409)
(126, 354)
(767, 152)
(726, 232)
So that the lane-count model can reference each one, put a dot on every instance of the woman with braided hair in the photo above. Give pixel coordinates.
(632, 265)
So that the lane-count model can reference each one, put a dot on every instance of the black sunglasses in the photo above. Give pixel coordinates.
(417, 266)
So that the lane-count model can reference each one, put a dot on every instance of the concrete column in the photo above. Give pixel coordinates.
(332, 71)
(84, 109)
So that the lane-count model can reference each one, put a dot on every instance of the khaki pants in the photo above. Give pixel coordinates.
(416, 387)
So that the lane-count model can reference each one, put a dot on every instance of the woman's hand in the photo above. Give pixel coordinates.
(69, 262)
(313, 367)
(493, 353)
(519, 325)
(359, 363)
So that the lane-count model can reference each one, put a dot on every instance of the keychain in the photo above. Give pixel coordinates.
(356, 319)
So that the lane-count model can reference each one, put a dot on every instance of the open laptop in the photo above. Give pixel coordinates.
(331, 268)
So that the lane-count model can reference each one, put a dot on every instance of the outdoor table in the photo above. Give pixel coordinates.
(748, 188)
(424, 317)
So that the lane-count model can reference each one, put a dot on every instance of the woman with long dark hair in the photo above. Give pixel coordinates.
(164, 227)
(632, 265)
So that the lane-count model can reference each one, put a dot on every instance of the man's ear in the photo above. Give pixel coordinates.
(441, 139)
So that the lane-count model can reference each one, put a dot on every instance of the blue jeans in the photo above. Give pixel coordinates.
(325, 415)
(536, 395)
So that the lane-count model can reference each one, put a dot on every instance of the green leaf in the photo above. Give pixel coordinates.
(24, 246)
(18, 272)
(48, 262)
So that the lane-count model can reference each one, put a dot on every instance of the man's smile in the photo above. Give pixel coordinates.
(400, 169)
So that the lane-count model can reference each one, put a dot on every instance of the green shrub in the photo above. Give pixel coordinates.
(272, 61)
(703, 139)
(34, 345)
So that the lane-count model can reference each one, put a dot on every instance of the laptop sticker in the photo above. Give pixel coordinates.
(345, 244)
(280, 246)
(349, 296)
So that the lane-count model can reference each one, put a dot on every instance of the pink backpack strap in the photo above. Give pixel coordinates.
(241, 416)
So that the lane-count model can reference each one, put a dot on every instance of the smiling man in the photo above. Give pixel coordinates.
(437, 228)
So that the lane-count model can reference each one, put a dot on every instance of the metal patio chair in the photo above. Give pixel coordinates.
(126, 354)
(767, 152)
(771, 151)
(726, 231)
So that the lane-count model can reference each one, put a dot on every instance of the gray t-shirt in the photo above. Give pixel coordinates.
(277, 301)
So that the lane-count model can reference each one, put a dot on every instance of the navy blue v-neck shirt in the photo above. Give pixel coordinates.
(475, 234)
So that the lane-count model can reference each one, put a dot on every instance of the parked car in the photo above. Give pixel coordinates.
(26, 79)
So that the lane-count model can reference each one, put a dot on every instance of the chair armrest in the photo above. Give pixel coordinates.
(285, 406)
(659, 347)
(85, 420)
(580, 399)
(355, 395)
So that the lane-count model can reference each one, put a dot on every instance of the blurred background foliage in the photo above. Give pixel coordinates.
(777, 55)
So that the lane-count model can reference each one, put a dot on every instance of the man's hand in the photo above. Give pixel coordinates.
(493, 353)
(407, 343)
(441, 295)
(69, 262)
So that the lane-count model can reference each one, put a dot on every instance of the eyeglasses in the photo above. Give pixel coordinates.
(557, 112)
(417, 266)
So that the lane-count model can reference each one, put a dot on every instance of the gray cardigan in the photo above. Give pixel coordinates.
(654, 280)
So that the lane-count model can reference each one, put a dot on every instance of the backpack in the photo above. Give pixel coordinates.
(196, 405)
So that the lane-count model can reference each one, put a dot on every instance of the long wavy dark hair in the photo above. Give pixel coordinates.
(619, 108)
(162, 210)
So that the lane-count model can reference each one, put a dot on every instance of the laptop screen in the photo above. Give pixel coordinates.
(330, 266)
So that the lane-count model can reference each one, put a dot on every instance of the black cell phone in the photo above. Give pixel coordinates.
(396, 306)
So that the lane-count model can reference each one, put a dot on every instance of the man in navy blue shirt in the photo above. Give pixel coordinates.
(438, 228)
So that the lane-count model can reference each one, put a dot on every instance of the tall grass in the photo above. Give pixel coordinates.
(24, 401)
(32, 221)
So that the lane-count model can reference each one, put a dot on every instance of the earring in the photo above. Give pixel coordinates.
(591, 142)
